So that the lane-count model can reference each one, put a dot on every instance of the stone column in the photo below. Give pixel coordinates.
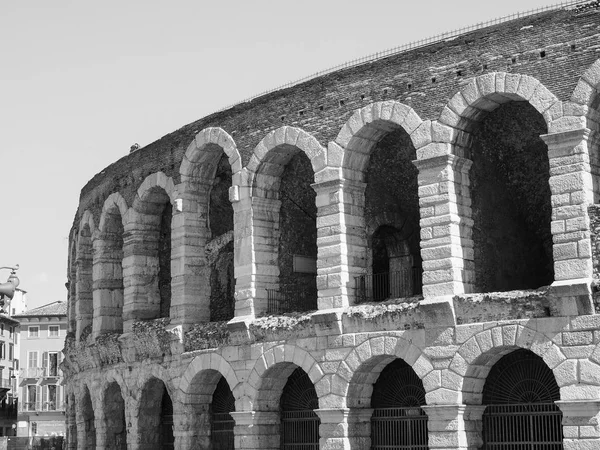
(580, 424)
(341, 238)
(190, 275)
(71, 423)
(84, 299)
(344, 428)
(572, 191)
(108, 286)
(446, 225)
(454, 427)
(256, 430)
(140, 270)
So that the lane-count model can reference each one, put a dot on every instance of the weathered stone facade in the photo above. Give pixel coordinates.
(143, 351)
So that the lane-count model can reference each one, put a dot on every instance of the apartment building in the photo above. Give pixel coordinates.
(41, 407)
(8, 381)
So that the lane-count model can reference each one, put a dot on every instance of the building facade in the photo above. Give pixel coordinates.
(9, 365)
(396, 254)
(42, 407)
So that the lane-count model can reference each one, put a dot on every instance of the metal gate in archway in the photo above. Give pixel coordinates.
(520, 412)
(398, 421)
(299, 422)
(221, 422)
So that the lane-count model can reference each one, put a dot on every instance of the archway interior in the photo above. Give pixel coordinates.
(219, 249)
(392, 219)
(299, 422)
(114, 413)
(520, 392)
(593, 123)
(221, 424)
(511, 200)
(88, 420)
(297, 255)
(156, 421)
(398, 421)
(110, 283)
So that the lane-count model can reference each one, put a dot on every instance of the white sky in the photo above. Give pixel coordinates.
(81, 81)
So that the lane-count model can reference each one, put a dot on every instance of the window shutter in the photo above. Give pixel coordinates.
(45, 362)
(44, 397)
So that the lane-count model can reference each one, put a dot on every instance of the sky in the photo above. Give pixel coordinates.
(81, 81)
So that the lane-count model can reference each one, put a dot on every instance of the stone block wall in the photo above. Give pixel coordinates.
(439, 102)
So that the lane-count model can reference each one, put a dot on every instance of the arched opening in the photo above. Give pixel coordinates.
(299, 422)
(108, 287)
(398, 421)
(156, 417)
(219, 249)
(519, 394)
(114, 417)
(392, 219)
(221, 422)
(511, 200)
(164, 259)
(84, 301)
(284, 223)
(87, 423)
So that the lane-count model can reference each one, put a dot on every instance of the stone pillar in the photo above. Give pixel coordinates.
(256, 430)
(84, 299)
(108, 286)
(86, 431)
(572, 191)
(341, 239)
(243, 266)
(71, 423)
(140, 270)
(190, 274)
(580, 424)
(446, 226)
(344, 428)
(265, 250)
(454, 427)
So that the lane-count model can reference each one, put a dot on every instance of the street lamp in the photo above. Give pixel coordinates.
(8, 289)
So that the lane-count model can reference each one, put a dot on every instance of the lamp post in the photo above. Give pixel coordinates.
(8, 289)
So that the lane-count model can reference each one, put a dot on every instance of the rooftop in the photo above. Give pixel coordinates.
(58, 308)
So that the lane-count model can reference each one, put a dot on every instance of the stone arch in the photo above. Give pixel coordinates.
(202, 150)
(209, 171)
(108, 266)
(588, 87)
(480, 96)
(367, 126)
(148, 251)
(476, 356)
(271, 371)
(196, 389)
(114, 415)
(273, 270)
(364, 364)
(84, 275)
(72, 282)
(86, 418)
(266, 163)
(153, 429)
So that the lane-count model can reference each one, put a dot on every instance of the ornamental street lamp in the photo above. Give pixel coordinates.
(8, 289)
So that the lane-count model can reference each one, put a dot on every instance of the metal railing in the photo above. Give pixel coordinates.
(41, 406)
(6, 383)
(446, 36)
(300, 430)
(535, 426)
(399, 428)
(221, 433)
(386, 285)
(290, 299)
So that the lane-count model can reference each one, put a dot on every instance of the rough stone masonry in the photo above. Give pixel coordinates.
(416, 229)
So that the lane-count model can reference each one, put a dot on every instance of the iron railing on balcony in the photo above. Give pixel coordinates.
(290, 299)
(387, 285)
(399, 428)
(41, 406)
(534, 426)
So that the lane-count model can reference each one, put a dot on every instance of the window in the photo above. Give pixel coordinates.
(53, 331)
(11, 351)
(51, 398)
(11, 330)
(1, 329)
(2, 350)
(34, 332)
(51, 363)
(31, 397)
(32, 360)
(34, 428)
